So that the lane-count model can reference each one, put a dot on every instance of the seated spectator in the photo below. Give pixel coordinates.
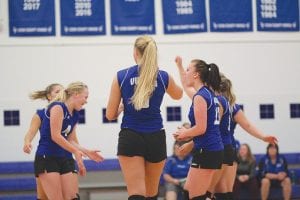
(245, 175)
(175, 172)
(273, 172)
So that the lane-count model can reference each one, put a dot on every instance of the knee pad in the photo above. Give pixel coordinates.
(202, 197)
(210, 196)
(221, 196)
(229, 195)
(152, 198)
(136, 197)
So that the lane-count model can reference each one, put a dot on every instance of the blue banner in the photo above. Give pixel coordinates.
(132, 17)
(184, 16)
(82, 17)
(277, 15)
(230, 15)
(31, 18)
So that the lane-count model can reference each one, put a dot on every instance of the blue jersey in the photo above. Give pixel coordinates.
(178, 168)
(211, 140)
(41, 114)
(266, 165)
(233, 111)
(148, 119)
(46, 145)
(225, 121)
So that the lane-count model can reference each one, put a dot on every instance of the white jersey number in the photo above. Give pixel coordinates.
(217, 116)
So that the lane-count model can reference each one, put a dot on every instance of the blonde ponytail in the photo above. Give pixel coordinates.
(227, 90)
(148, 69)
(43, 94)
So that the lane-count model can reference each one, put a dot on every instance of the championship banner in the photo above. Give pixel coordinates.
(31, 18)
(132, 17)
(230, 15)
(277, 15)
(184, 16)
(82, 17)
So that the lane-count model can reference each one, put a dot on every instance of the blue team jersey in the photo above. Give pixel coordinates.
(211, 140)
(40, 113)
(266, 165)
(233, 111)
(225, 121)
(178, 168)
(46, 145)
(148, 119)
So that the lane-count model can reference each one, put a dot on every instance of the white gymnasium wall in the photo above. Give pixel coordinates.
(264, 68)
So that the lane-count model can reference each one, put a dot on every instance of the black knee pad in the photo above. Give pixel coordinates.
(186, 195)
(136, 197)
(152, 198)
(202, 197)
(210, 195)
(221, 196)
(229, 195)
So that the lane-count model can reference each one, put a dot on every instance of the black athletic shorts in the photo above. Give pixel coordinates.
(276, 183)
(235, 156)
(207, 159)
(48, 164)
(228, 155)
(150, 146)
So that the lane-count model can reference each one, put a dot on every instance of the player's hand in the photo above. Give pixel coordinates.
(94, 155)
(270, 139)
(178, 61)
(81, 167)
(27, 148)
(186, 148)
(180, 134)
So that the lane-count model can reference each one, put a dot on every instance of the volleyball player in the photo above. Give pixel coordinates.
(229, 152)
(200, 81)
(142, 140)
(226, 182)
(53, 164)
(48, 94)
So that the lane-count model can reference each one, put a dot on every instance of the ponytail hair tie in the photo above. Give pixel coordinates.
(208, 67)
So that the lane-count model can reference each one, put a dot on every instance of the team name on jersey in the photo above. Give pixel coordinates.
(133, 81)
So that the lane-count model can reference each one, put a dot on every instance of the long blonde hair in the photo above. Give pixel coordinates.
(73, 88)
(227, 90)
(148, 69)
(43, 94)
